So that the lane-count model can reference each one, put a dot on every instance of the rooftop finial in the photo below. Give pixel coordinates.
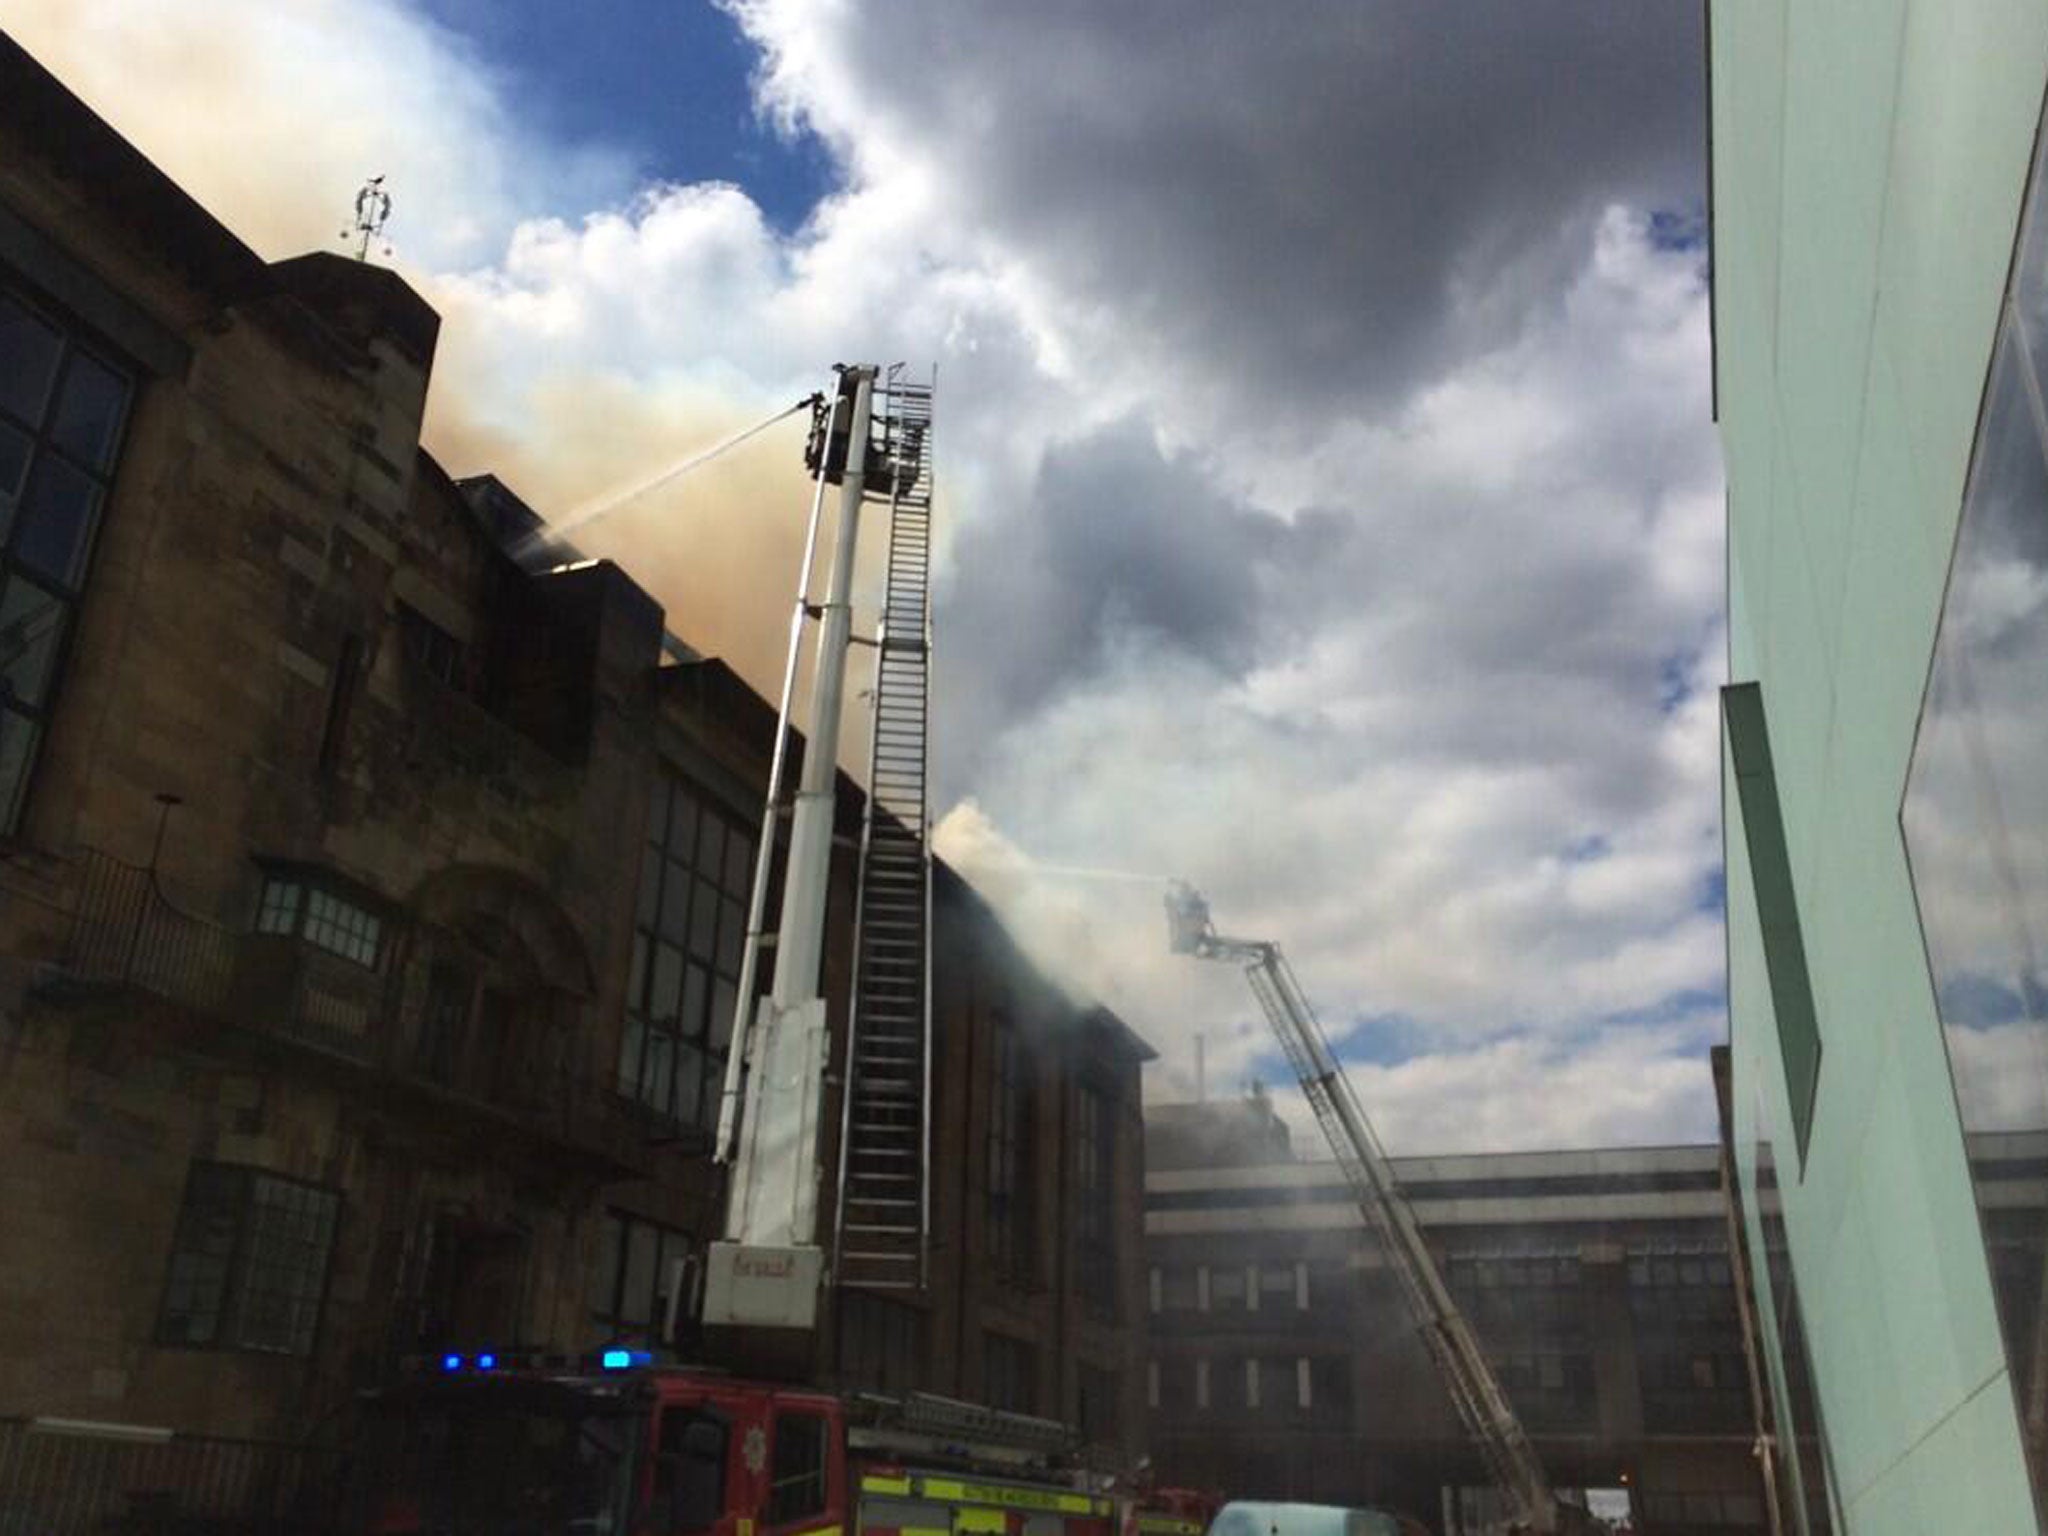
(373, 207)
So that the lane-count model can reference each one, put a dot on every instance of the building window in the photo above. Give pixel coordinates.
(1152, 1384)
(248, 1264)
(1251, 1383)
(638, 1266)
(1201, 1383)
(1095, 1176)
(1226, 1288)
(62, 408)
(689, 930)
(1009, 1373)
(881, 1343)
(1179, 1287)
(428, 647)
(1097, 1408)
(1009, 1154)
(297, 905)
(1304, 1386)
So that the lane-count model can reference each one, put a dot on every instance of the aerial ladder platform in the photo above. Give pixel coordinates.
(1469, 1378)
(870, 439)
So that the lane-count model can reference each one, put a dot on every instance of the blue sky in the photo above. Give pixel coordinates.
(664, 81)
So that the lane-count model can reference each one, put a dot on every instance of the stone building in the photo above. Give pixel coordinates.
(370, 900)
(1284, 1365)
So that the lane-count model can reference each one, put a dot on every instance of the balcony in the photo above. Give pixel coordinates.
(363, 1025)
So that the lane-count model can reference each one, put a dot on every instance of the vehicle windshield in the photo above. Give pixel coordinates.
(1249, 1519)
(476, 1467)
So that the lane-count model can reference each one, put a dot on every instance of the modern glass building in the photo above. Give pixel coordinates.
(1880, 261)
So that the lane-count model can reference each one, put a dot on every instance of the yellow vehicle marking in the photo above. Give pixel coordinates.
(981, 1520)
(1013, 1498)
(1169, 1525)
(896, 1485)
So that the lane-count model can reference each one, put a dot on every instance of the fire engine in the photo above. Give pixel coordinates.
(617, 1443)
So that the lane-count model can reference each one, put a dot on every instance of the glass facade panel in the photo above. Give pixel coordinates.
(1805, 1477)
(1975, 818)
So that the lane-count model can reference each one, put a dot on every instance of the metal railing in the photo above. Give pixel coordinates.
(63, 1478)
(126, 933)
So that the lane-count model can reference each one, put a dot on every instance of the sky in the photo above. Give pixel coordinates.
(1331, 511)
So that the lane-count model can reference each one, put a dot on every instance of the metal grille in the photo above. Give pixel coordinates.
(64, 1479)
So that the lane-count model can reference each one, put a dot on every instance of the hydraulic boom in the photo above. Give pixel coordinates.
(1470, 1380)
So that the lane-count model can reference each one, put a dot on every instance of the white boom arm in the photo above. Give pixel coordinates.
(1473, 1387)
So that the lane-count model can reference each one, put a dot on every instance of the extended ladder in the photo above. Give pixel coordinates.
(1468, 1377)
(885, 1125)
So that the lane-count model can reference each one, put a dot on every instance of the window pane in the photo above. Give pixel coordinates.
(732, 933)
(31, 622)
(689, 1084)
(704, 922)
(636, 1298)
(279, 912)
(631, 1042)
(724, 997)
(711, 850)
(87, 420)
(636, 976)
(695, 990)
(650, 888)
(658, 1079)
(55, 521)
(195, 1287)
(17, 750)
(284, 1264)
(28, 361)
(739, 865)
(682, 821)
(666, 990)
(604, 1275)
(718, 1026)
(675, 903)
(14, 454)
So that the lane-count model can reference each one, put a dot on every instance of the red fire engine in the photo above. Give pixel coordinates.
(620, 1445)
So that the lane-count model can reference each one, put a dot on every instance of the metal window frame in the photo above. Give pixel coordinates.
(227, 1331)
(75, 334)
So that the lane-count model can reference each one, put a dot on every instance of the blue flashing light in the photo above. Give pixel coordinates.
(617, 1359)
(451, 1362)
(487, 1362)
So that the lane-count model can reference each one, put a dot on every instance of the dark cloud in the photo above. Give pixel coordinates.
(1314, 197)
(1115, 540)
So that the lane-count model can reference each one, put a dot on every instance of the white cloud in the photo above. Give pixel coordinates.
(1323, 448)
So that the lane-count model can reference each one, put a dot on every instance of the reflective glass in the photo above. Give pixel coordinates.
(87, 421)
(31, 624)
(1975, 818)
(17, 751)
(14, 455)
(54, 523)
(28, 361)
